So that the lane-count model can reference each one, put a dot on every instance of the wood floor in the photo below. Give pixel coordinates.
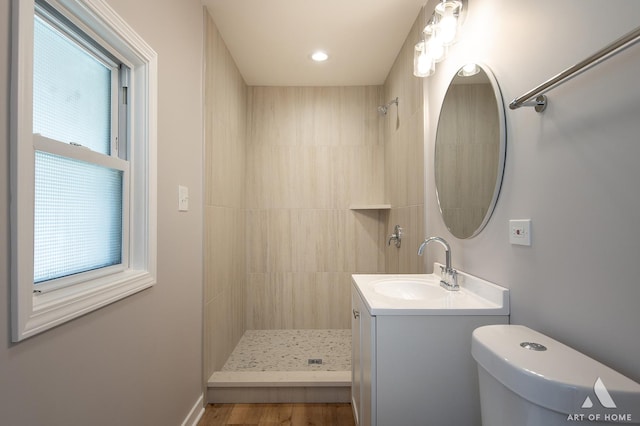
(278, 414)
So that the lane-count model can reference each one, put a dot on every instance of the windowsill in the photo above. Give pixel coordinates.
(56, 307)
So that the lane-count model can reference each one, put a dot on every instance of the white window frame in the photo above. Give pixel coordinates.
(34, 312)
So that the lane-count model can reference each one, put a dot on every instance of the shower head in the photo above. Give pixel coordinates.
(383, 109)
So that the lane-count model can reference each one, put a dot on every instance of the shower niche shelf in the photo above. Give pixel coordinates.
(370, 207)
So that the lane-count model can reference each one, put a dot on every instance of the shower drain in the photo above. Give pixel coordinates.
(313, 361)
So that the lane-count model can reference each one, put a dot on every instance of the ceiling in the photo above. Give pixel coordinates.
(271, 40)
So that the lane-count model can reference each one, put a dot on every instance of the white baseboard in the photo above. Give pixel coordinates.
(195, 414)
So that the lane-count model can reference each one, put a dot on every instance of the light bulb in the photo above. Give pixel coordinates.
(468, 70)
(436, 49)
(447, 30)
(417, 51)
(319, 56)
(423, 65)
(448, 22)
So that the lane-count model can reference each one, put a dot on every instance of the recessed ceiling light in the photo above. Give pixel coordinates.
(319, 56)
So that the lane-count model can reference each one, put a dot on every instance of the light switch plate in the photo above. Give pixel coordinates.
(520, 232)
(183, 198)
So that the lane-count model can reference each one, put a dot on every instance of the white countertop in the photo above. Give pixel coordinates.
(475, 297)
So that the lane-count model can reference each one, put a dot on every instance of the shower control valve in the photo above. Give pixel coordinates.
(396, 236)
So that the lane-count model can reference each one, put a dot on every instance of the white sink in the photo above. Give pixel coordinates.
(409, 289)
(421, 294)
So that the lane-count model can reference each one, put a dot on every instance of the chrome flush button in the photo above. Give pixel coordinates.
(533, 346)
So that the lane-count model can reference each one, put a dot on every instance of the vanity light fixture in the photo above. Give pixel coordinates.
(439, 33)
(319, 56)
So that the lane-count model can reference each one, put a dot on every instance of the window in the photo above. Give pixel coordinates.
(83, 162)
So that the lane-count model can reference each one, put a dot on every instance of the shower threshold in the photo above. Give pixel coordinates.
(286, 366)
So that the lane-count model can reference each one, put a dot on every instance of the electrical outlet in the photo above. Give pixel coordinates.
(520, 232)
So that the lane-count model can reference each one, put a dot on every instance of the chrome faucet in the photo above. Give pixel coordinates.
(448, 275)
(396, 236)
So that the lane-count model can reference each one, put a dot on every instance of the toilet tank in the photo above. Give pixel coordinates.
(529, 379)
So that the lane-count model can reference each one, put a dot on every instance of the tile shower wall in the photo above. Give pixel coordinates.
(224, 250)
(311, 153)
(404, 160)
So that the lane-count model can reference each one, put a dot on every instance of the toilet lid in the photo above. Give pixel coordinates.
(553, 375)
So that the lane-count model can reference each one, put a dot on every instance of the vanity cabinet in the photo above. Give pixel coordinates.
(414, 369)
(362, 360)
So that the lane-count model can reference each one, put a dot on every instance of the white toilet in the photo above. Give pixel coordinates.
(529, 379)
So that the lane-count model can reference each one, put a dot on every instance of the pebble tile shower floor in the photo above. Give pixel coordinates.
(291, 350)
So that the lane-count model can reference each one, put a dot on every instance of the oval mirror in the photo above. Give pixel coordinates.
(470, 150)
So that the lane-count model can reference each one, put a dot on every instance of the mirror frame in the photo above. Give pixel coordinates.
(502, 149)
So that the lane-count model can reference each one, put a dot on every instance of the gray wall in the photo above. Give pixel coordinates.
(573, 170)
(138, 361)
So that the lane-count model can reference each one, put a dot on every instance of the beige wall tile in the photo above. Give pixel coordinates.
(404, 161)
(311, 153)
(322, 300)
(368, 249)
(314, 177)
(216, 256)
(225, 218)
(218, 340)
(313, 116)
(257, 239)
(270, 300)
